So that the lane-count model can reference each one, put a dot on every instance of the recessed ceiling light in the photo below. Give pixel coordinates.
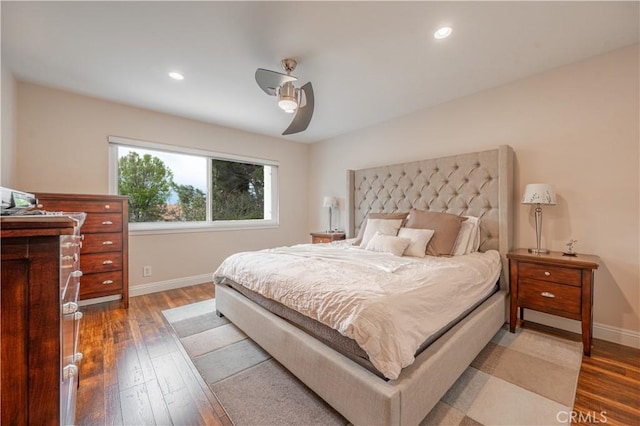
(176, 76)
(443, 32)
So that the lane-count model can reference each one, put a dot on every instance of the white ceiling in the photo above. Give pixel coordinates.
(368, 61)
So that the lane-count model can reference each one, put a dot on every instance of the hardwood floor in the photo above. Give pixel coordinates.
(135, 372)
(609, 382)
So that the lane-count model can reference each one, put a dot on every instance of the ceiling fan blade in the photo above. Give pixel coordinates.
(305, 112)
(269, 81)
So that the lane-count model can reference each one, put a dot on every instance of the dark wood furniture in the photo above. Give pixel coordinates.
(554, 284)
(105, 249)
(326, 237)
(39, 320)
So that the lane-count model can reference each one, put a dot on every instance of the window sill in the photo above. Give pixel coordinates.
(183, 228)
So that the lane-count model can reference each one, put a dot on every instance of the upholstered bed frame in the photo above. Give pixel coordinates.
(476, 184)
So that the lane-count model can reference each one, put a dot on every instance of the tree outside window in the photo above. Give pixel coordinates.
(172, 187)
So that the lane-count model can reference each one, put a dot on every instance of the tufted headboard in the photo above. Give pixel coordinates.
(476, 184)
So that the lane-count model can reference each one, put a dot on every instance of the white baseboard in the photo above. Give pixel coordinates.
(139, 290)
(600, 331)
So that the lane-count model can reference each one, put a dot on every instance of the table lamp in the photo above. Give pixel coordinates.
(539, 194)
(330, 202)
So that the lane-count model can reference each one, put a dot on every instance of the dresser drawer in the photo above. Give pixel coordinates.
(101, 262)
(555, 274)
(102, 222)
(102, 284)
(80, 206)
(549, 297)
(99, 243)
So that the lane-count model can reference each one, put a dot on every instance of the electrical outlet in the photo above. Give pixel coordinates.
(146, 271)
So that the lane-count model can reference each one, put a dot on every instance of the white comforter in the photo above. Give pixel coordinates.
(389, 305)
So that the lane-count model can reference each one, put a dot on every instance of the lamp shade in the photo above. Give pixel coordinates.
(330, 202)
(539, 193)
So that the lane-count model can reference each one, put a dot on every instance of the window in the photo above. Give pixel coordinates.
(173, 188)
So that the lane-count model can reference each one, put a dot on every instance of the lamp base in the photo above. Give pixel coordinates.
(538, 251)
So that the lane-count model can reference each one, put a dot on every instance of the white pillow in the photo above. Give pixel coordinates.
(474, 240)
(383, 226)
(388, 244)
(419, 240)
(468, 237)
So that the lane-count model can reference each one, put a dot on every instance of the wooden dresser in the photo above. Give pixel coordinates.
(105, 248)
(39, 319)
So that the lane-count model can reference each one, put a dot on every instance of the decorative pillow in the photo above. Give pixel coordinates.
(388, 244)
(474, 239)
(419, 240)
(383, 226)
(467, 237)
(397, 215)
(445, 225)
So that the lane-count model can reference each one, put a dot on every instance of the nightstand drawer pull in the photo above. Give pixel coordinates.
(107, 262)
(107, 243)
(547, 273)
(107, 282)
(107, 222)
(547, 294)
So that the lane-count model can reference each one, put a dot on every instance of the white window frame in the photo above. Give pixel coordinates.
(144, 228)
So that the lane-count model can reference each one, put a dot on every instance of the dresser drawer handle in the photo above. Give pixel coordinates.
(78, 316)
(76, 274)
(107, 262)
(107, 222)
(69, 371)
(107, 243)
(547, 273)
(70, 245)
(107, 282)
(73, 258)
(69, 308)
(547, 294)
(107, 206)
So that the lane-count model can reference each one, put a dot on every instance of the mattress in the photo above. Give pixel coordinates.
(346, 346)
(390, 306)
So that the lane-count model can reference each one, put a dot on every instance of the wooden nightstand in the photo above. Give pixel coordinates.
(555, 284)
(326, 237)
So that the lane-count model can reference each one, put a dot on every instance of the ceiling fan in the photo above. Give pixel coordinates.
(290, 99)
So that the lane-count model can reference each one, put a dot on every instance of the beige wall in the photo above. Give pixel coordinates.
(8, 144)
(576, 127)
(62, 147)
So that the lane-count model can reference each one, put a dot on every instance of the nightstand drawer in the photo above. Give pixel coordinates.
(326, 237)
(554, 274)
(549, 297)
(320, 240)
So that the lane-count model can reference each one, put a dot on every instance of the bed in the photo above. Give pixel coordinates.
(476, 184)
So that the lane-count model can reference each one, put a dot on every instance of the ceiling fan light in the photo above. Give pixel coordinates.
(287, 103)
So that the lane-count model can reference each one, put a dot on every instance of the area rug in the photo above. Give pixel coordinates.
(526, 378)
